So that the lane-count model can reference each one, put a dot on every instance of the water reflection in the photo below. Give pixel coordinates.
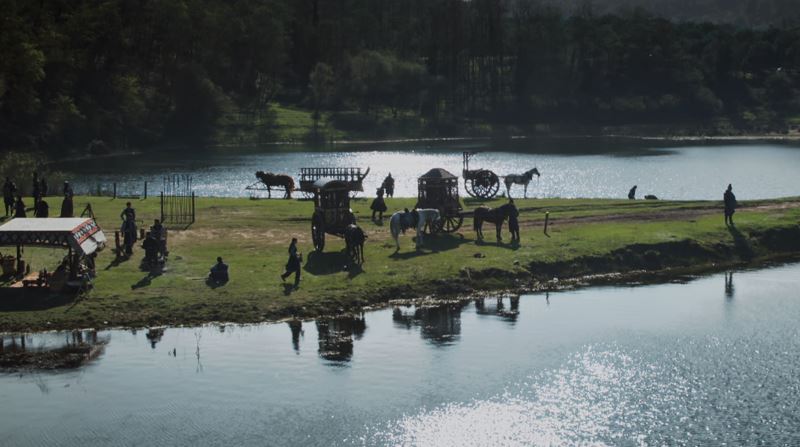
(729, 285)
(49, 351)
(154, 336)
(336, 334)
(296, 326)
(439, 324)
(499, 308)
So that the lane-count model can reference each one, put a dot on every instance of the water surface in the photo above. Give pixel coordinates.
(710, 362)
(587, 167)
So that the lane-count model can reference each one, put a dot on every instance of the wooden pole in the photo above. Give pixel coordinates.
(162, 206)
(115, 190)
(145, 190)
(193, 207)
(546, 222)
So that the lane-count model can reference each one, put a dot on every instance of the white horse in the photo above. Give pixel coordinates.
(521, 179)
(417, 218)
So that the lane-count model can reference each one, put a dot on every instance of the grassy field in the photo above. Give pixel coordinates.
(253, 235)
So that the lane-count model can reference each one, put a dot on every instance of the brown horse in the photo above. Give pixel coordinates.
(493, 215)
(271, 180)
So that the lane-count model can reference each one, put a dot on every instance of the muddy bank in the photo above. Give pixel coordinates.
(67, 357)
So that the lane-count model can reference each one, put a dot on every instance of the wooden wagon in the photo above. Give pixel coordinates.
(438, 189)
(332, 213)
(481, 183)
(352, 177)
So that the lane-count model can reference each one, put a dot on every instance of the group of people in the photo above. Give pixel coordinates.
(15, 205)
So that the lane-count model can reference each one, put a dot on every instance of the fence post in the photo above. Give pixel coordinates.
(546, 221)
(192, 206)
(162, 206)
(145, 190)
(115, 190)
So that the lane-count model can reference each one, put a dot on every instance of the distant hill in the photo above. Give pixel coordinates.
(748, 13)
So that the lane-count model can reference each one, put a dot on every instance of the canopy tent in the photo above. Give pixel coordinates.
(80, 235)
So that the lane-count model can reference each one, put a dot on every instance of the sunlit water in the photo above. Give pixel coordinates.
(711, 362)
(570, 168)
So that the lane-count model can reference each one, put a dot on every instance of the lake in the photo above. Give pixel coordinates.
(570, 167)
(712, 361)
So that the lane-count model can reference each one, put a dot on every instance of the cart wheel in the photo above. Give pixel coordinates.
(485, 185)
(450, 224)
(469, 187)
(318, 232)
(307, 194)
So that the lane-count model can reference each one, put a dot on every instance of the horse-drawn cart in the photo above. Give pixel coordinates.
(332, 215)
(481, 183)
(352, 177)
(438, 189)
(268, 181)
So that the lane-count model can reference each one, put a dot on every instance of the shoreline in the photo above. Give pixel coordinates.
(592, 242)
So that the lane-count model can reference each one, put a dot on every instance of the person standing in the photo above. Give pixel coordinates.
(632, 193)
(67, 209)
(128, 213)
(68, 189)
(388, 185)
(9, 190)
(378, 205)
(730, 205)
(513, 222)
(43, 188)
(37, 189)
(293, 264)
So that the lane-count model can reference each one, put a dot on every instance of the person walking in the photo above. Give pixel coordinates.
(9, 191)
(730, 205)
(378, 205)
(513, 222)
(632, 193)
(293, 264)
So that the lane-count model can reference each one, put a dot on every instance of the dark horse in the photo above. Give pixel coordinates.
(354, 238)
(494, 215)
(271, 180)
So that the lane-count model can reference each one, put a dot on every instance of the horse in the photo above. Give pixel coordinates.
(521, 179)
(496, 216)
(271, 180)
(418, 218)
(354, 238)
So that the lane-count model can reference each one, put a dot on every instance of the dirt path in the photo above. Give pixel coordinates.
(671, 214)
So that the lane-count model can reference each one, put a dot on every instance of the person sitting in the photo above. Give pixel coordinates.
(42, 209)
(632, 193)
(19, 208)
(150, 246)
(219, 272)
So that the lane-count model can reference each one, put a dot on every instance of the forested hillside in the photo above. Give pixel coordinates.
(144, 73)
(750, 13)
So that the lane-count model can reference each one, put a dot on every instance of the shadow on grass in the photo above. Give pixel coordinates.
(147, 280)
(354, 270)
(118, 260)
(433, 244)
(27, 299)
(326, 263)
(511, 245)
(741, 244)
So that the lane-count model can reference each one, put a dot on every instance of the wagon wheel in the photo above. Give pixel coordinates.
(307, 194)
(318, 232)
(450, 224)
(469, 187)
(485, 184)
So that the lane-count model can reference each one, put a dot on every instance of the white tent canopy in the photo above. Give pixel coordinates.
(82, 235)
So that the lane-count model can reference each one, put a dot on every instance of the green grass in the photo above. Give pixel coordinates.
(253, 235)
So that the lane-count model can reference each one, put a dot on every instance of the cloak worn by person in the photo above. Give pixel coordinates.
(67, 209)
(378, 205)
(42, 209)
(19, 208)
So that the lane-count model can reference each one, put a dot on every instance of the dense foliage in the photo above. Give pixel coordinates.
(146, 72)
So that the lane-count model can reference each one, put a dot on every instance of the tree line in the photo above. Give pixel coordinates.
(154, 72)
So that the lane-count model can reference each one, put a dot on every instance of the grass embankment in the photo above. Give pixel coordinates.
(586, 237)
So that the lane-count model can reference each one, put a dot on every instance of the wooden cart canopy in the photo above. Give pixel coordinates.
(438, 173)
(81, 234)
(330, 184)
